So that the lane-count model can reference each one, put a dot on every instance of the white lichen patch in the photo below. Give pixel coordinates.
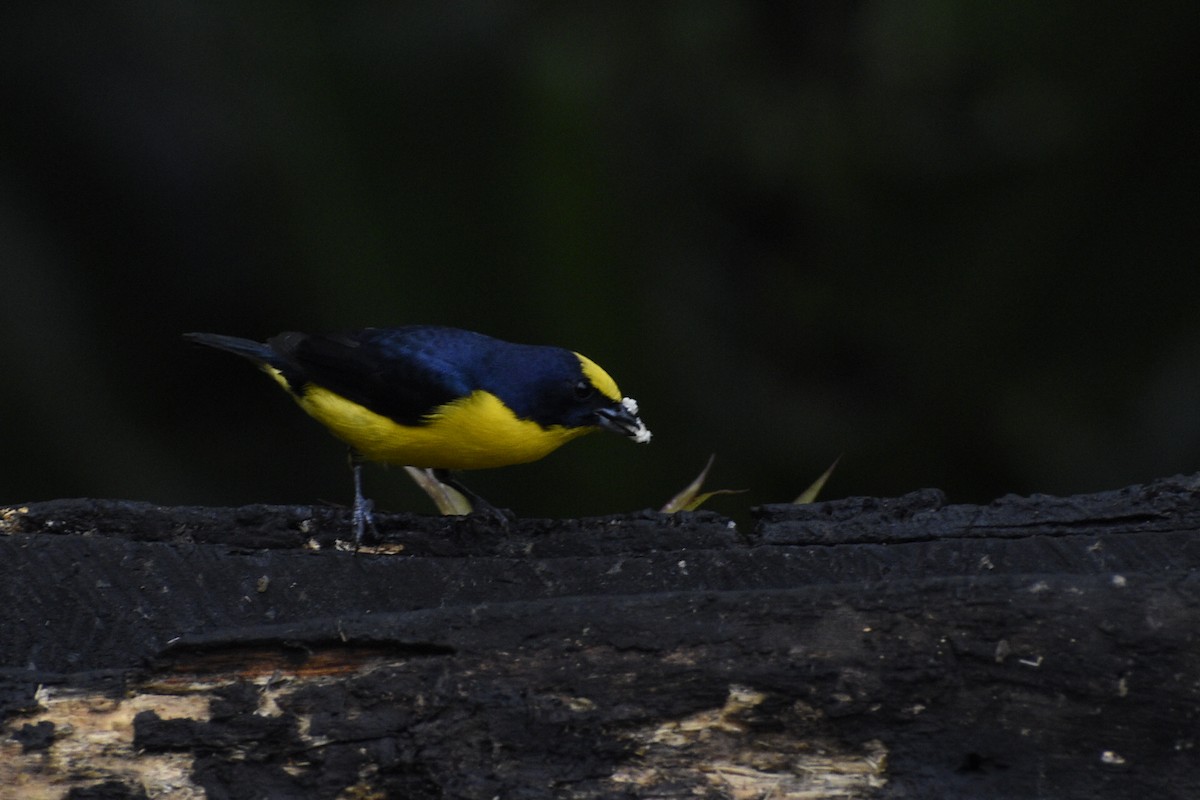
(720, 750)
(9, 515)
(93, 735)
(93, 743)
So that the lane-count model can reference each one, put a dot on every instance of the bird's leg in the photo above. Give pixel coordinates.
(478, 504)
(362, 506)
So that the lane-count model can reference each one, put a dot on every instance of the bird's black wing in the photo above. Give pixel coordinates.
(401, 373)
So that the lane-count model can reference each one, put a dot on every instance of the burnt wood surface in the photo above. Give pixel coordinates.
(1039, 647)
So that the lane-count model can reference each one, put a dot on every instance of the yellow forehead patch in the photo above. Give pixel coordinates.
(599, 378)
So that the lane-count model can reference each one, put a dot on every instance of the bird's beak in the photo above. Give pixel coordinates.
(623, 419)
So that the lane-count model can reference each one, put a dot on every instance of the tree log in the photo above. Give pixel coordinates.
(1036, 647)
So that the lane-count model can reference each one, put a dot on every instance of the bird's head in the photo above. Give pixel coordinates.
(562, 389)
(600, 400)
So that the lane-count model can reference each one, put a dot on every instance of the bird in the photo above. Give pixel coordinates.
(439, 398)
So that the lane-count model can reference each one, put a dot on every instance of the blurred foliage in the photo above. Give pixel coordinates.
(954, 241)
(446, 499)
(690, 498)
(810, 494)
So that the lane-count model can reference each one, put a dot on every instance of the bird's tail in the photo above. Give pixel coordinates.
(257, 352)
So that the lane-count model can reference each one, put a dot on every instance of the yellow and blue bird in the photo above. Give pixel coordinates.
(439, 398)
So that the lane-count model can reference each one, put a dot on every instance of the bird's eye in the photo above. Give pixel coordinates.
(584, 390)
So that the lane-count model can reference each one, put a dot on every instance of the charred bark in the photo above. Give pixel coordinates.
(899, 648)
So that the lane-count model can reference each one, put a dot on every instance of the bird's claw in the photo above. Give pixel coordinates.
(363, 518)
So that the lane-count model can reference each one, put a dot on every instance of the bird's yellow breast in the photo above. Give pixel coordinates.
(473, 432)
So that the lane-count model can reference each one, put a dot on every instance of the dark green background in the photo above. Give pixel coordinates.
(954, 242)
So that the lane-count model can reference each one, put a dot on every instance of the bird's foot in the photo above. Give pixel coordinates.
(363, 518)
